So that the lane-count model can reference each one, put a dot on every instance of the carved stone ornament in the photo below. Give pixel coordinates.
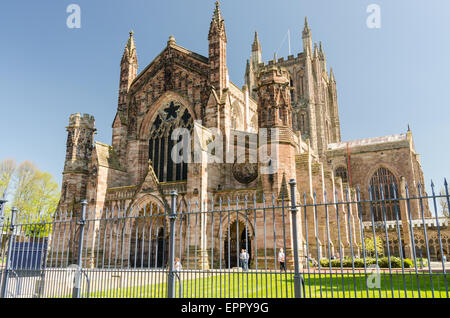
(245, 172)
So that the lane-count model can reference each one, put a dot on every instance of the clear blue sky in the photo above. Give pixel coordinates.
(386, 77)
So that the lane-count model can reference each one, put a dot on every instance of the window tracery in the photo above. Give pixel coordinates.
(169, 117)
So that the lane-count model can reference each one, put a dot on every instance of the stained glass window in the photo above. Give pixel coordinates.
(169, 118)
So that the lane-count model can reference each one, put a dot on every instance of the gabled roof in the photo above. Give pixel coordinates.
(172, 44)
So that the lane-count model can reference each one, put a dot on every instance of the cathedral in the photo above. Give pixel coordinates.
(296, 96)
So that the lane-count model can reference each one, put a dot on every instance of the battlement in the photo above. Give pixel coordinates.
(291, 59)
(273, 74)
(85, 120)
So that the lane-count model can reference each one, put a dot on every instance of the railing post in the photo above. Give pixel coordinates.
(2, 208)
(8, 254)
(77, 285)
(297, 277)
(172, 217)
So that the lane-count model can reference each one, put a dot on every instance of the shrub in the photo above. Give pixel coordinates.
(383, 262)
(324, 262)
(407, 263)
(396, 262)
(347, 262)
(336, 263)
(359, 262)
(370, 261)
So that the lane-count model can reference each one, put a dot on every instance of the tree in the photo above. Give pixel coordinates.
(34, 193)
(370, 246)
(443, 202)
(7, 168)
(41, 227)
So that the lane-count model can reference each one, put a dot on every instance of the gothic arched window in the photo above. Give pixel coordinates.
(170, 117)
(301, 123)
(292, 91)
(384, 188)
(235, 117)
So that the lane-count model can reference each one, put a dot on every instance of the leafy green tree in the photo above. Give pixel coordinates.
(7, 168)
(39, 228)
(369, 245)
(34, 193)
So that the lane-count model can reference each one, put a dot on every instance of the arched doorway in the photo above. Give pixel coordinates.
(149, 238)
(237, 237)
(160, 250)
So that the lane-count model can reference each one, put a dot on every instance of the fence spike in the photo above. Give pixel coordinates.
(129, 240)
(432, 188)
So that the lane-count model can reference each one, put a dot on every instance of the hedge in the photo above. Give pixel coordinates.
(383, 262)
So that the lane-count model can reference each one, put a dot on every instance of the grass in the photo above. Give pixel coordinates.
(280, 285)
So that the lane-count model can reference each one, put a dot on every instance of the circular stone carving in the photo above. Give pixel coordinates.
(245, 172)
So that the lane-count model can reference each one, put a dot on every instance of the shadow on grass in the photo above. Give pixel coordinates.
(281, 285)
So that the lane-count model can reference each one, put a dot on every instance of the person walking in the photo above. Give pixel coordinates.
(282, 260)
(244, 259)
(178, 266)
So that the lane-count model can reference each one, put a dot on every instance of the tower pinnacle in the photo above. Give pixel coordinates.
(306, 29)
(332, 75)
(130, 49)
(307, 39)
(217, 26)
(217, 13)
(128, 70)
(256, 51)
(217, 39)
(256, 46)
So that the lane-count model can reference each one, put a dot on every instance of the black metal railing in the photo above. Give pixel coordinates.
(297, 245)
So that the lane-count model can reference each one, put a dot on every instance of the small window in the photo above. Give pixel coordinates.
(341, 172)
(302, 124)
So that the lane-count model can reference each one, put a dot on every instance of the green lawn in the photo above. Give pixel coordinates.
(280, 285)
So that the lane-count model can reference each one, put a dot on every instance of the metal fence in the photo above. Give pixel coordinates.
(242, 248)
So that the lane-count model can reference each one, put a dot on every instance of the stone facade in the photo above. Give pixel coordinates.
(296, 96)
